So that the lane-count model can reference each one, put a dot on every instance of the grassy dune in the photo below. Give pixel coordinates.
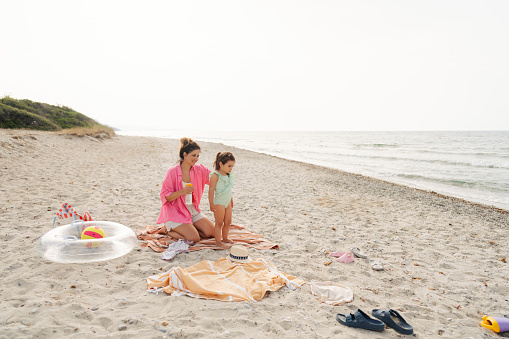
(27, 114)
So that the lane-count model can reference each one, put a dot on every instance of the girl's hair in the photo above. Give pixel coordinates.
(187, 145)
(223, 157)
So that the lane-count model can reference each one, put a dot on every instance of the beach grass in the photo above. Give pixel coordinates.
(95, 131)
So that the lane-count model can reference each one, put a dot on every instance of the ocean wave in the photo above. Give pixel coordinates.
(491, 187)
(450, 162)
(376, 145)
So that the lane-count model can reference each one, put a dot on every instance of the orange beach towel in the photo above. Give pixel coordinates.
(156, 237)
(224, 280)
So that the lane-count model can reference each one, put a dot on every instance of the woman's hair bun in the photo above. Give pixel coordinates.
(185, 141)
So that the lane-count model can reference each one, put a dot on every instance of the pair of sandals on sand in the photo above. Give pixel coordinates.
(388, 317)
(375, 265)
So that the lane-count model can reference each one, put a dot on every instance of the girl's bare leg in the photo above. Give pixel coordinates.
(219, 216)
(227, 223)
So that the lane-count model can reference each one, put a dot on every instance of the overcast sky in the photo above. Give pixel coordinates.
(263, 65)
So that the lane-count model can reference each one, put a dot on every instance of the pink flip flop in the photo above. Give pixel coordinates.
(343, 257)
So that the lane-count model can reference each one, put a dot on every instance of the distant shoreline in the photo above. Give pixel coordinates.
(480, 201)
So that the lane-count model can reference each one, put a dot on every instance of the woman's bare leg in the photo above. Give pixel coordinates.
(175, 235)
(205, 227)
(188, 231)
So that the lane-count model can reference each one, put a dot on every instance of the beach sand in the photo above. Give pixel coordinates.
(445, 258)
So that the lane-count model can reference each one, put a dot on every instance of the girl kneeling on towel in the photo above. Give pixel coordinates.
(181, 193)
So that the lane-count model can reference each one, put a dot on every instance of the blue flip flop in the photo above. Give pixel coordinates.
(394, 320)
(360, 319)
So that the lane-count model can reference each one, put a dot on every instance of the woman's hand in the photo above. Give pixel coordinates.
(212, 208)
(187, 190)
(175, 195)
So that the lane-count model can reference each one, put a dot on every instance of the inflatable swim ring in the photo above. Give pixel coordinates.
(63, 244)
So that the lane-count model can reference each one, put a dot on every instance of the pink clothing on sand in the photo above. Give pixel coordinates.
(177, 210)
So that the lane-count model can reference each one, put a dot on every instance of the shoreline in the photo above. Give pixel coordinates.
(332, 169)
(431, 190)
(444, 196)
(442, 255)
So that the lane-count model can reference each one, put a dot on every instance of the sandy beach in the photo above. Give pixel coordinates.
(445, 259)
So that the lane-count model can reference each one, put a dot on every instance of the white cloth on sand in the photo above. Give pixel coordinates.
(181, 246)
(331, 293)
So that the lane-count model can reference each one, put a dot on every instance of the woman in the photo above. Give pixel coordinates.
(185, 221)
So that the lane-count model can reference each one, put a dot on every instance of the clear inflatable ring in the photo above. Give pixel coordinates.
(64, 244)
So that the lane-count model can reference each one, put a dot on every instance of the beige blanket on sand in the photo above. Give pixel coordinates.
(224, 280)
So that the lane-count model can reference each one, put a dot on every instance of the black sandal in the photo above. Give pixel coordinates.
(394, 320)
(360, 319)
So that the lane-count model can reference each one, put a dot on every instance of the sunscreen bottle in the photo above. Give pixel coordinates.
(189, 197)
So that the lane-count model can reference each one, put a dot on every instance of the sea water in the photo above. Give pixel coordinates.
(469, 165)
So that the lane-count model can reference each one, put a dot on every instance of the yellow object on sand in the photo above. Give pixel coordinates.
(92, 233)
(497, 324)
(224, 280)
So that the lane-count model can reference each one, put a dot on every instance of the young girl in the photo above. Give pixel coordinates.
(220, 196)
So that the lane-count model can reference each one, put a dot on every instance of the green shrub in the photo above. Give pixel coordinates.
(29, 114)
(11, 117)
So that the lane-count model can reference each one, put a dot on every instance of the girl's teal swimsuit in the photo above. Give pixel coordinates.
(223, 192)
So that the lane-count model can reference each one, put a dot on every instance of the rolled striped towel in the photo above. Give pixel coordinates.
(68, 212)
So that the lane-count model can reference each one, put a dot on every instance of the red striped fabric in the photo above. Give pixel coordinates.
(68, 212)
